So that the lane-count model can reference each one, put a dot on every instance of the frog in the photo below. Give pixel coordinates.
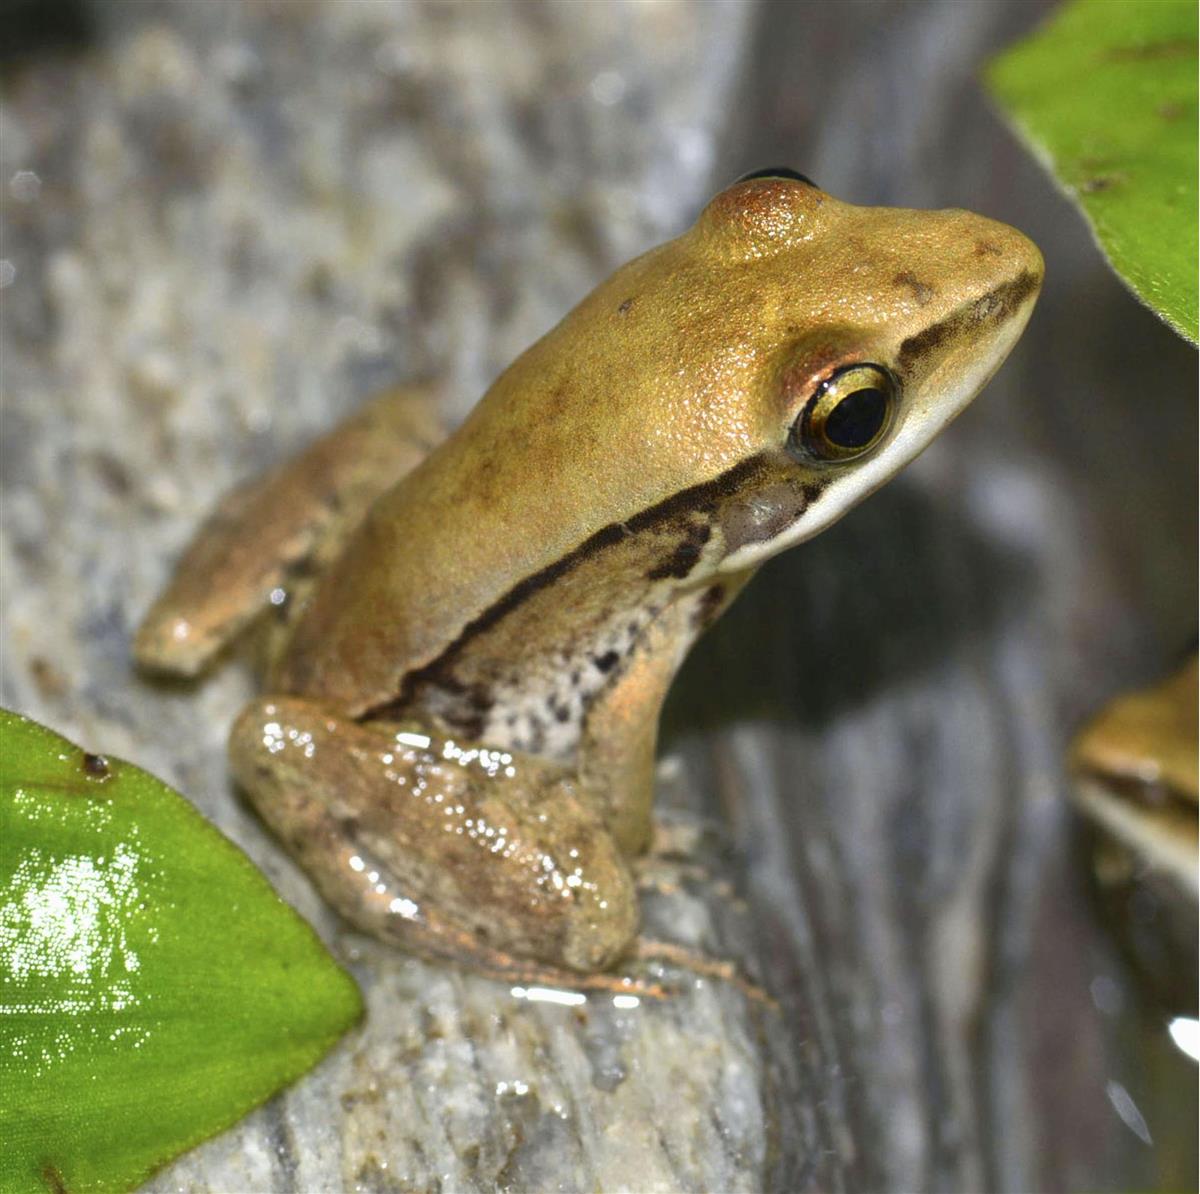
(476, 631)
(1136, 784)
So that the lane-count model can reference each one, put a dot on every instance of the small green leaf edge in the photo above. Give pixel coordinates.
(1006, 81)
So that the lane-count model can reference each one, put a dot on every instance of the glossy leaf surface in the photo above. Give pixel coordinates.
(1105, 94)
(153, 987)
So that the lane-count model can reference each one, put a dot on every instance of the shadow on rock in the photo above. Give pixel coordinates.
(32, 29)
(898, 587)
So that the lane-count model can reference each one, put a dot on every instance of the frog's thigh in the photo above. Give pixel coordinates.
(447, 850)
(267, 530)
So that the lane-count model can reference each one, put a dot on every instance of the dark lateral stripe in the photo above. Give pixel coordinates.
(702, 497)
(1001, 303)
(683, 559)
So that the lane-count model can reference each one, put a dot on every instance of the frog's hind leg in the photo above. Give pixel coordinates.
(269, 531)
(476, 855)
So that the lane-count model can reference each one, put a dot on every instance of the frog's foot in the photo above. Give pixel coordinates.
(665, 961)
(495, 860)
(550, 983)
(267, 533)
(673, 864)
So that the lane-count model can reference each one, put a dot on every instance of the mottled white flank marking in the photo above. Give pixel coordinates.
(404, 907)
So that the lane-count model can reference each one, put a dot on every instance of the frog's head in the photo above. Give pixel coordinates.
(861, 332)
(744, 385)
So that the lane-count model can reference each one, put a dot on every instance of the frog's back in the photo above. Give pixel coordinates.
(543, 468)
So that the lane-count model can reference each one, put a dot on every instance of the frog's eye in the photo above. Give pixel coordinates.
(777, 172)
(848, 415)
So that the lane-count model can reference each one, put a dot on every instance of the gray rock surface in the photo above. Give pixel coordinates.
(225, 225)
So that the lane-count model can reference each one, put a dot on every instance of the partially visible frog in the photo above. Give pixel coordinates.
(1136, 781)
(458, 735)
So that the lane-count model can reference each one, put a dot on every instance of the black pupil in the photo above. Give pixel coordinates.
(856, 420)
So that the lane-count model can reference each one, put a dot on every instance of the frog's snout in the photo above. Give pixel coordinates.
(991, 276)
(1008, 268)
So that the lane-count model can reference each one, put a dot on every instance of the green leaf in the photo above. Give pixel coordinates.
(1105, 94)
(153, 987)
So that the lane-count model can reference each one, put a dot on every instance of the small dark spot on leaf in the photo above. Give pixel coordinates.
(95, 766)
(985, 248)
(54, 1179)
(1178, 47)
(1171, 110)
(625, 307)
(1102, 182)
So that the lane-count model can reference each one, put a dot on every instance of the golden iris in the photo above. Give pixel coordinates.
(849, 414)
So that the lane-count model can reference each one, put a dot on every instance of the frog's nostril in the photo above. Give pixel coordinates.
(778, 172)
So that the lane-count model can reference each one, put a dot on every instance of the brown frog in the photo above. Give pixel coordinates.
(457, 735)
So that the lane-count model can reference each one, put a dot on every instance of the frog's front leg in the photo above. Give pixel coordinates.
(442, 847)
(269, 531)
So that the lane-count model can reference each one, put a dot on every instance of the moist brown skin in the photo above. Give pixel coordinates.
(532, 585)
